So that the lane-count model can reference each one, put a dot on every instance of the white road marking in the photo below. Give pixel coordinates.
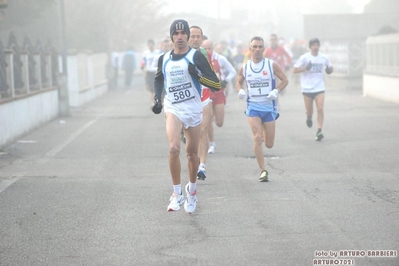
(6, 183)
(65, 143)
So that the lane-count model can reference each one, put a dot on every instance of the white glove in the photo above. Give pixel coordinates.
(241, 94)
(273, 94)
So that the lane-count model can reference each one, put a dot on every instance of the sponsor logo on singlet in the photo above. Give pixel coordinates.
(180, 87)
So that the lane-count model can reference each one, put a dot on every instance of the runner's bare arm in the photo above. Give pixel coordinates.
(240, 79)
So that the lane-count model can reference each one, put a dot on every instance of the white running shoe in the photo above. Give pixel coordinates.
(175, 201)
(212, 149)
(191, 201)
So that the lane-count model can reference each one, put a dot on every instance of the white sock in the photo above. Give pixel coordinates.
(212, 144)
(177, 189)
(192, 187)
(201, 167)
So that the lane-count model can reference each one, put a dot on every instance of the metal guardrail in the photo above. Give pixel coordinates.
(347, 57)
(26, 69)
(383, 55)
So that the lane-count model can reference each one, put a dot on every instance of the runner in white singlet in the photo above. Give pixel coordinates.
(259, 75)
(180, 74)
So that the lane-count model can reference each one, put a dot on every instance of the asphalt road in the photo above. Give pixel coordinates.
(92, 189)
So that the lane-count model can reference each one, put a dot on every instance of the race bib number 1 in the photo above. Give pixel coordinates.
(259, 89)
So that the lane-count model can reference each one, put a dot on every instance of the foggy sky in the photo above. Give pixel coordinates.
(285, 16)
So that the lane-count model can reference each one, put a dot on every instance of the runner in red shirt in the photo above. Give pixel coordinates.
(226, 73)
(277, 53)
(195, 41)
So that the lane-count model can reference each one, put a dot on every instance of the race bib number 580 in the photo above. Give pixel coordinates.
(180, 93)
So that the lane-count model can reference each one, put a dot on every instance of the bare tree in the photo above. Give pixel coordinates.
(23, 12)
(36, 19)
